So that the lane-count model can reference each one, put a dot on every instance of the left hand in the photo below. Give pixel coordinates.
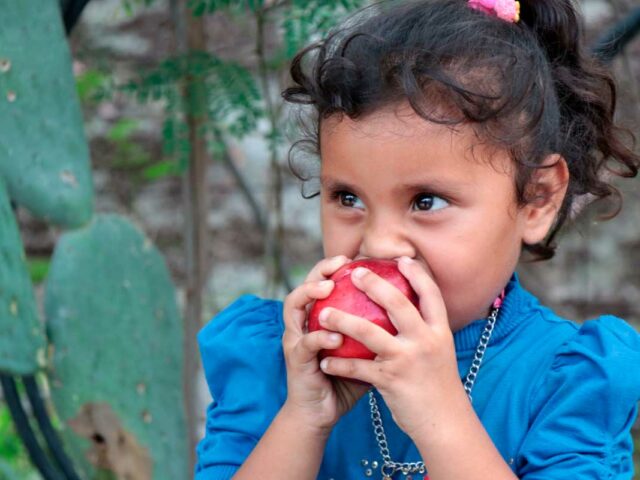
(415, 371)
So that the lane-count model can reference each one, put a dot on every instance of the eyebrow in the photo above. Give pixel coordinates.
(435, 186)
(334, 184)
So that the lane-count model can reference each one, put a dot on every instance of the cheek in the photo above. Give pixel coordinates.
(330, 235)
(467, 278)
(469, 250)
(339, 238)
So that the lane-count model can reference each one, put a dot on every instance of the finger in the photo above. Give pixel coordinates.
(371, 335)
(307, 349)
(402, 313)
(327, 267)
(353, 368)
(294, 309)
(432, 306)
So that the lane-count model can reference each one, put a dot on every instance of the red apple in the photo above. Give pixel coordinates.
(347, 297)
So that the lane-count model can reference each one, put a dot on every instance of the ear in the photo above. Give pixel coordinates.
(545, 194)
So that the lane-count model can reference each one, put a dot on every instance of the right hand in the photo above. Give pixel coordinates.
(318, 399)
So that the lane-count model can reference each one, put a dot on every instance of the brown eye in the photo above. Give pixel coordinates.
(427, 202)
(348, 199)
(424, 202)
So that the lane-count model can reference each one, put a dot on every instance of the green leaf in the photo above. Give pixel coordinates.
(122, 130)
(38, 268)
(199, 10)
(200, 7)
(7, 472)
(14, 462)
(130, 5)
(89, 83)
(158, 82)
(174, 133)
(165, 168)
(127, 5)
(234, 98)
(309, 19)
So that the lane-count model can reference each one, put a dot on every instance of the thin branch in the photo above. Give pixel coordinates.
(243, 184)
(258, 214)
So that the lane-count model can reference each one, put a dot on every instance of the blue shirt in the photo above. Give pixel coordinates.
(558, 399)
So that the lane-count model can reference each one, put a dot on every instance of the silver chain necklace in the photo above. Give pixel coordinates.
(389, 467)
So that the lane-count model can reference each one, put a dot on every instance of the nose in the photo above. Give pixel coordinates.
(385, 238)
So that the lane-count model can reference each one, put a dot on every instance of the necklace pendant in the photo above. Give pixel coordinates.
(386, 477)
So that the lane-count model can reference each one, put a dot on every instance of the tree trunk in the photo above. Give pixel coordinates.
(190, 37)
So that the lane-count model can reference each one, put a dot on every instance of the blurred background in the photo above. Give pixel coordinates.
(191, 148)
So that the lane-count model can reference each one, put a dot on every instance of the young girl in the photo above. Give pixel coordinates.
(452, 135)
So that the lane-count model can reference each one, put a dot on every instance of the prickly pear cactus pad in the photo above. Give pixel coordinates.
(116, 338)
(44, 157)
(22, 342)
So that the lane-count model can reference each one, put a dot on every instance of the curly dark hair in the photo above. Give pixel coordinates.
(528, 87)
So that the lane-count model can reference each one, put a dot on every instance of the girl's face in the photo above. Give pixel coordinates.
(393, 184)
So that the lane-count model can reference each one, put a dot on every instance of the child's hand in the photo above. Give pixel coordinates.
(318, 399)
(415, 371)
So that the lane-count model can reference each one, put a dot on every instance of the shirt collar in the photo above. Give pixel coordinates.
(516, 298)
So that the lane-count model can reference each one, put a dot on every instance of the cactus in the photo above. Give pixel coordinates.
(115, 332)
(117, 358)
(44, 157)
(22, 342)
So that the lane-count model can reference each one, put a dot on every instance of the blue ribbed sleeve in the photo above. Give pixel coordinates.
(584, 407)
(241, 350)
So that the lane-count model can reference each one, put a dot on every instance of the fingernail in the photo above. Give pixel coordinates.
(406, 260)
(324, 314)
(360, 272)
(324, 363)
(334, 337)
(326, 283)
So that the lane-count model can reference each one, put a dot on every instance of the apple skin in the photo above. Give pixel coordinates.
(348, 298)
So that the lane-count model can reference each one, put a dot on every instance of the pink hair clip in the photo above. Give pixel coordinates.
(508, 10)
